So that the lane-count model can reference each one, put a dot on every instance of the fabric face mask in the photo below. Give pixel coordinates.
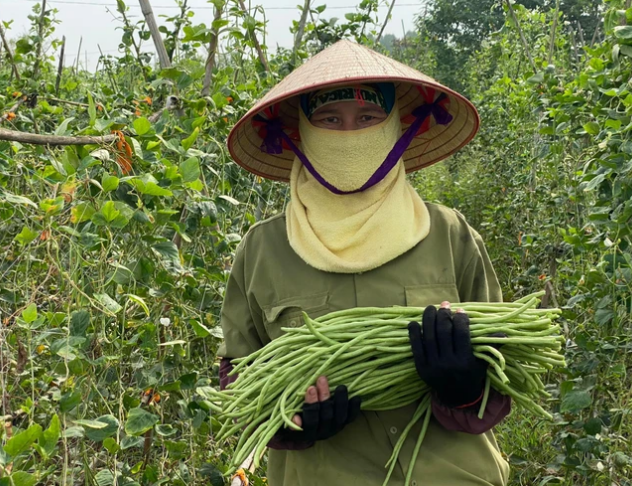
(347, 160)
(275, 137)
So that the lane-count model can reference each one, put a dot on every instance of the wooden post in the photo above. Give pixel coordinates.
(78, 56)
(9, 53)
(61, 65)
(145, 6)
(580, 31)
(594, 37)
(390, 9)
(262, 57)
(404, 35)
(301, 29)
(212, 49)
(40, 35)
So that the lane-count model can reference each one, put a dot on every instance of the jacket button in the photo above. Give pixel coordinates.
(413, 483)
(293, 323)
(393, 430)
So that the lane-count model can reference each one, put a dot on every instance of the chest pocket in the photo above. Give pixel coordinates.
(289, 312)
(431, 294)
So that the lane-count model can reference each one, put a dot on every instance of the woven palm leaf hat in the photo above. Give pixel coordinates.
(438, 121)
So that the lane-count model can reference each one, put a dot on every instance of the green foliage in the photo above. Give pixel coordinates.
(546, 183)
(114, 258)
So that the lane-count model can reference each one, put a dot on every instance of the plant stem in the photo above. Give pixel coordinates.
(522, 38)
(212, 49)
(40, 40)
(388, 16)
(301, 29)
(9, 53)
(554, 30)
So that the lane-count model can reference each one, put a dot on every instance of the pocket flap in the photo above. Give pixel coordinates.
(305, 303)
(431, 294)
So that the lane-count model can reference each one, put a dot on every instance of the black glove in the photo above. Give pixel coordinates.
(444, 357)
(322, 420)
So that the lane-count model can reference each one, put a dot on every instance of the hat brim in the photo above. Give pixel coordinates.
(342, 64)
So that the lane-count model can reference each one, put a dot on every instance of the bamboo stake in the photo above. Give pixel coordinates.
(78, 56)
(40, 35)
(301, 29)
(61, 65)
(522, 38)
(36, 139)
(212, 49)
(262, 57)
(145, 7)
(554, 30)
(388, 15)
(580, 31)
(404, 35)
(9, 53)
(594, 37)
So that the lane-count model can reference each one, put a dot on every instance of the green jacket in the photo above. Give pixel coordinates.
(270, 286)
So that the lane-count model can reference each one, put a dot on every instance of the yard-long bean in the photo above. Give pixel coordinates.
(368, 350)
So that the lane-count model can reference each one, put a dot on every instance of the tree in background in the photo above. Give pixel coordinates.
(452, 30)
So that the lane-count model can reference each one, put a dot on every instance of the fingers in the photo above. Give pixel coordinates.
(429, 335)
(353, 409)
(311, 395)
(444, 333)
(416, 343)
(341, 407)
(311, 419)
(297, 420)
(326, 423)
(322, 386)
(461, 330)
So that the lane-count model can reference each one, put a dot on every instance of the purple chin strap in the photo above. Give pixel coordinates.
(273, 143)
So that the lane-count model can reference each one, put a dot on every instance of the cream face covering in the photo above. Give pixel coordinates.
(347, 159)
(358, 231)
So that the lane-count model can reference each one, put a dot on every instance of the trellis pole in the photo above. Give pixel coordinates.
(145, 7)
(212, 50)
(262, 57)
(60, 68)
(40, 41)
(7, 48)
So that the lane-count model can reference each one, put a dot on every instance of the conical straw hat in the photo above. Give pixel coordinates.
(347, 63)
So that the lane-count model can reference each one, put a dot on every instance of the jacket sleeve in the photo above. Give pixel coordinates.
(455, 420)
(240, 320)
(476, 282)
(240, 317)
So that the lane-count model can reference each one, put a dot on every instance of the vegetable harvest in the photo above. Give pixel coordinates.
(368, 350)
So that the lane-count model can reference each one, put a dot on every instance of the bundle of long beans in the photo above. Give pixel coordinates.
(368, 350)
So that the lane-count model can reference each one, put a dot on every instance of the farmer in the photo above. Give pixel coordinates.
(344, 129)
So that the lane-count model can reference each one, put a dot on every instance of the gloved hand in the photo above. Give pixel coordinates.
(323, 416)
(444, 357)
